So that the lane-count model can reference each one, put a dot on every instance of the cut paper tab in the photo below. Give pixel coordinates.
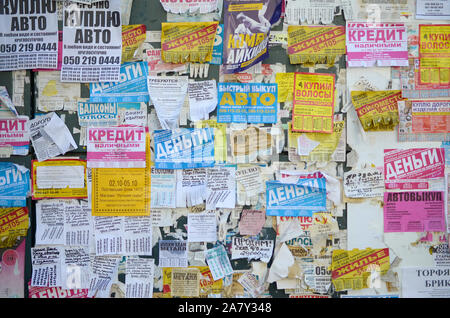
(315, 44)
(187, 41)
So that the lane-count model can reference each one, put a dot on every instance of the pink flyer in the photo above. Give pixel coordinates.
(376, 44)
(412, 169)
(421, 211)
(55, 292)
(116, 147)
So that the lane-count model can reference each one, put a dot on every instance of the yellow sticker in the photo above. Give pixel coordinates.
(315, 44)
(183, 42)
(207, 284)
(358, 269)
(377, 110)
(122, 191)
(285, 82)
(132, 37)
(14, 223)
(59, 168)
(313, 107)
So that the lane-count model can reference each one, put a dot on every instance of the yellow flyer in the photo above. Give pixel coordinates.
(132, 37)
(313, 107)
(187, 41)
(122, 191)
(285, 82)
(207, 284)
(13, 224)
(315, 44)
(59, 179)
(220, 138)
(434, 54)
(356, 269)
(377, 110)
(317, 146)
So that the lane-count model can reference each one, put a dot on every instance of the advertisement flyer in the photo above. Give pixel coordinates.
(422, 211)
(92, 42)
(184, 148)
(246, 35)
(410, 81)
(130, 87)
(50, 136)
(377, 110)
(218, 46)
(132, 37)
(430, 116)
(253, 103)
(55, 292)
(251, 249)
(29, 37)
(376, 44)
(434, 54)
(168, 106)
(59, 178)
(303, 198)
(97, 114)
(116, 147)
(430, 120)
(313, 102)
(356, 269)
(315, 44)
(14, 135)
(432, 10)
(172, 253)
(412, 169)
(122, 191)
(14, 185)
(364, 183)
(425, 282)
(187, 41)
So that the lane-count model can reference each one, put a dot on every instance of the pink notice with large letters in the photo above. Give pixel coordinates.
(414, 169)
(421, 211)
(376, 44)
(116, 147)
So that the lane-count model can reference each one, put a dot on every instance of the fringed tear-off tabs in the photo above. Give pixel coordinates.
(187, 41)
(315, 44)
(310, 11)
(377, 110)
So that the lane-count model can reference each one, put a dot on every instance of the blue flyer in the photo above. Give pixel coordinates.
(14, 185)
(303, 198)
(184, 148)
(253, 103)
(218, 46)
(132, 86)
